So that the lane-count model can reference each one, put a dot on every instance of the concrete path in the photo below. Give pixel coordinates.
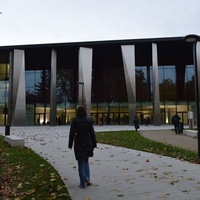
(116, 173)
(169, 137)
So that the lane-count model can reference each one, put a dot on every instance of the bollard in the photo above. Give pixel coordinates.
(7, 130)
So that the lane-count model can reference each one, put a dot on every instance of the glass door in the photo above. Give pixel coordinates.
(39, 119)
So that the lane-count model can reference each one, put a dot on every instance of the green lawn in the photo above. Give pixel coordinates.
(133, 140)
(25, 175)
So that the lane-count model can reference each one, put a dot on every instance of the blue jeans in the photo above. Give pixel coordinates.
(84, 171)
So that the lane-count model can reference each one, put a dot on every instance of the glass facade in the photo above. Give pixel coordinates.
(65, 96)
(111, 107)
(37, 96)
(109, 98)
(167, 87)
(4, 83)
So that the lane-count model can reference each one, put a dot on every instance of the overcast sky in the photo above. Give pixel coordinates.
(55, 21)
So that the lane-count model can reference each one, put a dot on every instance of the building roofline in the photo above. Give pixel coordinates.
(100, 42)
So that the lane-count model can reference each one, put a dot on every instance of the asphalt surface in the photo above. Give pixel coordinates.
(116, 173)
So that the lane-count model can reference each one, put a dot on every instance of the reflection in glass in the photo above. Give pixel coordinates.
(167, 83)
(142, 84)
(4, 84)
(189, 83)
(114, 88)
(65, 96)
(109, 94)
(37, 91)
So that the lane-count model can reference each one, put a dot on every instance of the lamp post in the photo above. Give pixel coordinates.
(80, 90)
(193, 39)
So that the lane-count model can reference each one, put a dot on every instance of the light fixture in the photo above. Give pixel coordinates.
(191, 38)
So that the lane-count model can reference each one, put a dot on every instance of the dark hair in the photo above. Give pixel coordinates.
(81, 111)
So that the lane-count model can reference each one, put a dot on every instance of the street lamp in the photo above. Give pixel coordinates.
(193, 39)
(80, 90)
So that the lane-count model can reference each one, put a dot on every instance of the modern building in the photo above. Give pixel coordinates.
(115, 80)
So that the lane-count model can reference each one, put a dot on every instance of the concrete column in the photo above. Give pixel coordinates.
(17, 98)
(85, 77)
(53, 88)
(156, 93)
(128, 56)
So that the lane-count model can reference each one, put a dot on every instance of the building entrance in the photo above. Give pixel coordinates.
(110, 118)
(39, 119)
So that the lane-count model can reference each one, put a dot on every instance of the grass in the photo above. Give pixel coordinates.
(133, 140)
(25, 175)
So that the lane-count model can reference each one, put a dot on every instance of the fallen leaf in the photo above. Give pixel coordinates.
(18, 167)
(147, 193)
(135, 162)
(154, 175)
(166, 173)
(53, 194)
(139, 170)
(30, 192)
(19, 185)
(186, 191)
(173, 182)
(62, 195)
(190, 179)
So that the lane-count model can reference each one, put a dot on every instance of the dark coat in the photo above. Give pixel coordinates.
(175, 119)
(83, 136)
(136, 121)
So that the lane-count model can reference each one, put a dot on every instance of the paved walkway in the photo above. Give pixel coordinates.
(169, 137)
(116, 173)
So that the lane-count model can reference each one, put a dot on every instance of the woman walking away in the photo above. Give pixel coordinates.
(84, 139)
